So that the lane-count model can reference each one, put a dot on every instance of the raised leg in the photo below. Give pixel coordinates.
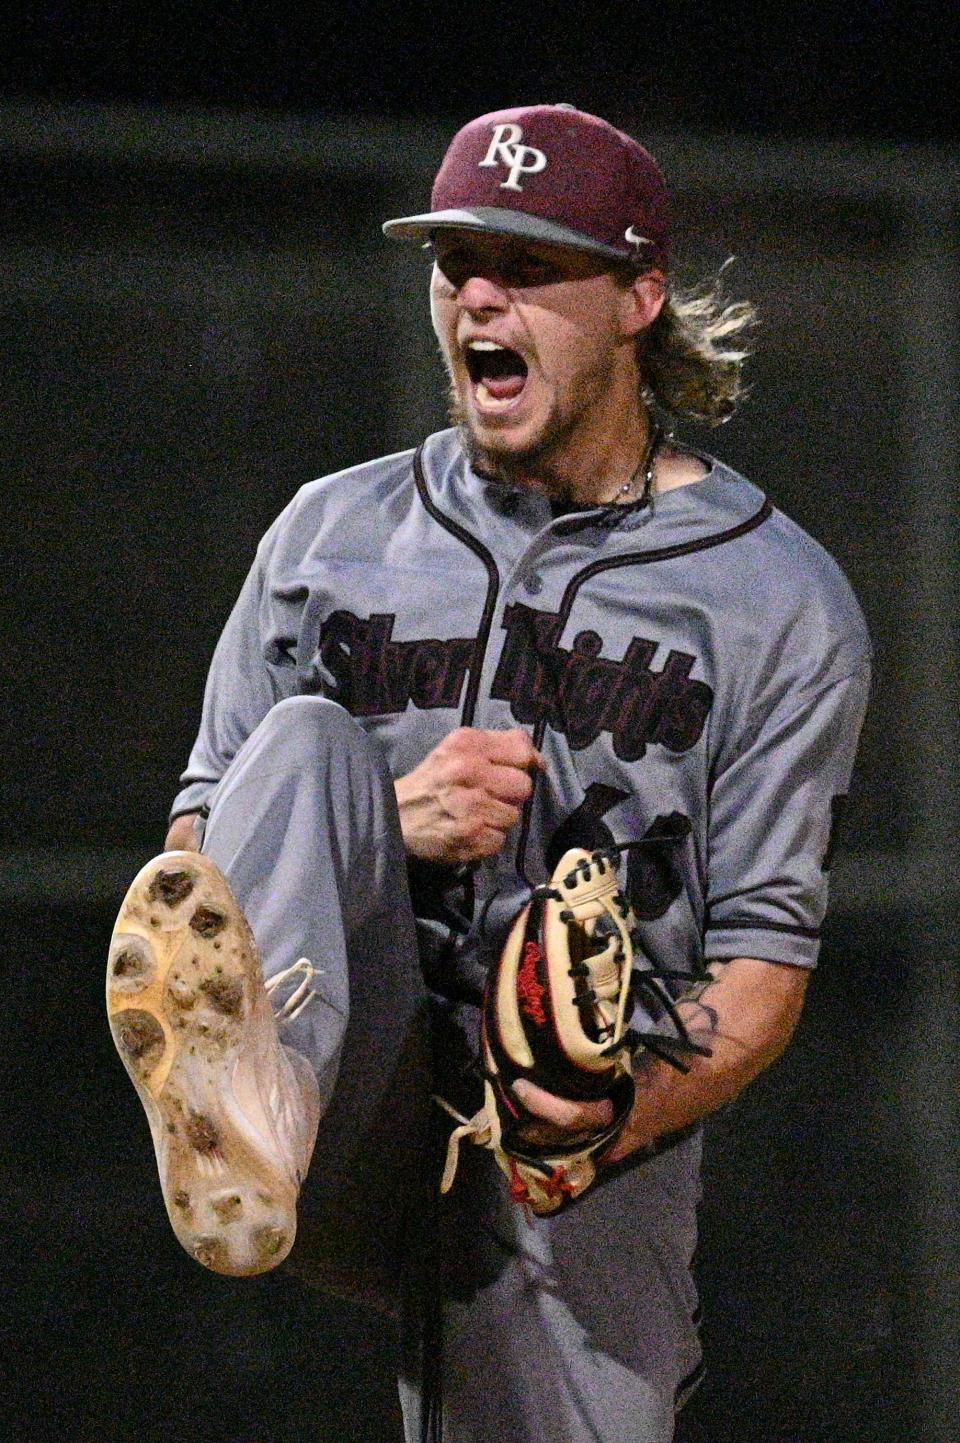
(303, 826)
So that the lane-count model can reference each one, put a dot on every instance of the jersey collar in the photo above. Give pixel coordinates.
(495, 511)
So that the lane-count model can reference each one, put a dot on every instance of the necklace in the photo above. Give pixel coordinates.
(645, 467)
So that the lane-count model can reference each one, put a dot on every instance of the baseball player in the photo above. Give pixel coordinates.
(550, 626)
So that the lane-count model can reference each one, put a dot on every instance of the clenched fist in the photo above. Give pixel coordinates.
(461, 801)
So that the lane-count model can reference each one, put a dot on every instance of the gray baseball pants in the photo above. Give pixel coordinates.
(577, 1329)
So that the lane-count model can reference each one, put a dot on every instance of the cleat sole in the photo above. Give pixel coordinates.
(183, 979)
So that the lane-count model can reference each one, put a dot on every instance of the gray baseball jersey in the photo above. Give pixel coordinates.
(697, 668)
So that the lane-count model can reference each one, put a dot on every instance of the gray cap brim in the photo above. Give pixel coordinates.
(497, 220)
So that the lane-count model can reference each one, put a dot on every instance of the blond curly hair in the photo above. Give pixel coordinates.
(693, 355)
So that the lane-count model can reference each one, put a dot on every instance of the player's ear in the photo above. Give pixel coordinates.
(642, 301)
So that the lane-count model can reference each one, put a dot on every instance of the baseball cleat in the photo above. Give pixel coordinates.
(233, 1113)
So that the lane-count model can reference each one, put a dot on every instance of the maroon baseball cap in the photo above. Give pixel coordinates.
(549, 173)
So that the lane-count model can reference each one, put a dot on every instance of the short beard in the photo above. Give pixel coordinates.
(519, 468)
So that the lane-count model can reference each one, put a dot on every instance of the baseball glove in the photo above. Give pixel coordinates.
(556, 1010)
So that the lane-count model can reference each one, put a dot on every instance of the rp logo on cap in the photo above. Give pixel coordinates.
(552, 174)
(505, 149)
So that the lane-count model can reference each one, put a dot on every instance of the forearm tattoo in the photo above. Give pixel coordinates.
(701, 1019)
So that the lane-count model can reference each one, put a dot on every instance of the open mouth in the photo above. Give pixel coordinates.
(497, 372)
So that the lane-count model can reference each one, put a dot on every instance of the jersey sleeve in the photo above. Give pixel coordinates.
(773, 809)
(252, 669)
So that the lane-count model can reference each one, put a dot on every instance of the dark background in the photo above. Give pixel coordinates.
(873, 69)
(198, 315)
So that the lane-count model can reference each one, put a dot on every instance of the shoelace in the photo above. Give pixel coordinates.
(291, 1008)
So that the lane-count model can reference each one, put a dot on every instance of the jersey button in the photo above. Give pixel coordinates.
(533, 583)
